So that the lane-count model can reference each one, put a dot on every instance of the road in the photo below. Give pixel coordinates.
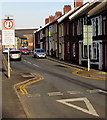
(60, 94)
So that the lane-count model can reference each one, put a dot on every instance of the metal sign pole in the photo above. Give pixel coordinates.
(8, 36)
(88, 50)
(8, 64)
(88, 57)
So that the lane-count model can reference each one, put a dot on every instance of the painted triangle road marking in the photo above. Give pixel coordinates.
(90, 110)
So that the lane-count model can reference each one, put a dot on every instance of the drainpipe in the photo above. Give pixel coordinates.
(57, 41)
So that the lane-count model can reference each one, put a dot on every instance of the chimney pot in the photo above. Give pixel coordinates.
(66, 8)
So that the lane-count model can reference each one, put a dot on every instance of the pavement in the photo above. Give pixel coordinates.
(11, 104)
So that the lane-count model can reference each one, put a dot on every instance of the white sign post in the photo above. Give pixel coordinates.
(8, 36)
(87, 40)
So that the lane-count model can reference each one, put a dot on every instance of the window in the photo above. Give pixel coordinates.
(85, 51)
(60, 48)
(62, 28)
(100, 25)
(78, 27)
(96, 26)
(67, 28)
(68, 47)
(81, 26)
(104, 25)
(94, 51)
(74, 49)
(73, 29)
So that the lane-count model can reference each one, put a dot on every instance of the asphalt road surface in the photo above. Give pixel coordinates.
(60, 94)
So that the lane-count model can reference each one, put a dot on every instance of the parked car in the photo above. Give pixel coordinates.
(39, 53)
(12, 48)
(25, 51)
(15, 55)
(21, 49)
(5, 50)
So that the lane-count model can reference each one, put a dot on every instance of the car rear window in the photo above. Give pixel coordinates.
(39, 50)
(25, 49)
(14, 52)
(5, 48)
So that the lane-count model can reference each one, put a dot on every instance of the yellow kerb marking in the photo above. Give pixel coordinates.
(22, 87)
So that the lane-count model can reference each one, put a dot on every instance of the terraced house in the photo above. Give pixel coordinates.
(64, 36)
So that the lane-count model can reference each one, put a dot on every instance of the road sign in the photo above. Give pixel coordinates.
(8, 32)
(87, 34)
(8, 24)
(8, 37)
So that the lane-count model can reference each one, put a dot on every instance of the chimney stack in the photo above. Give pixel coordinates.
(46, 20)
(66, 8)
(58, 14)
(78, 3)
(51, 18)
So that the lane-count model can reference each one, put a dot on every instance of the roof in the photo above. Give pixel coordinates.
(46, 25)
(99, 8)
(20, 32)
(66, 15)
(85, 9)
(78, 12)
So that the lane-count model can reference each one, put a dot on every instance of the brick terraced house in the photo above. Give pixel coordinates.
(65, 36)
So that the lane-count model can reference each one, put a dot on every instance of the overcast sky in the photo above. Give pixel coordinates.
(32, 13)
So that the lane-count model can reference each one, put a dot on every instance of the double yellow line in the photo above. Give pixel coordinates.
(76, 70)
(23, 87)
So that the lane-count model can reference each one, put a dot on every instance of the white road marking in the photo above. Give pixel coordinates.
(29, 96)
(93, 91)
(55, 93)
(28, 62)
(90, 110)
(35, 65)
(96, 91)
(74, 92)
(24, 60)
(102, 91)
(37, 95)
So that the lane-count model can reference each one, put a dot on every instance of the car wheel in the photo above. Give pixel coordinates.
(19, 59)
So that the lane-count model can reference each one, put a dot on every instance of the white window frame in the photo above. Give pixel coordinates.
(94, 46)
(74, 49)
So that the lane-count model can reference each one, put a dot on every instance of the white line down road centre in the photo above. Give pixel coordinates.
(90, 110)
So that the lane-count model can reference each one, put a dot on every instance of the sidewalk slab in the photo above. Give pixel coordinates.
(11, 106)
